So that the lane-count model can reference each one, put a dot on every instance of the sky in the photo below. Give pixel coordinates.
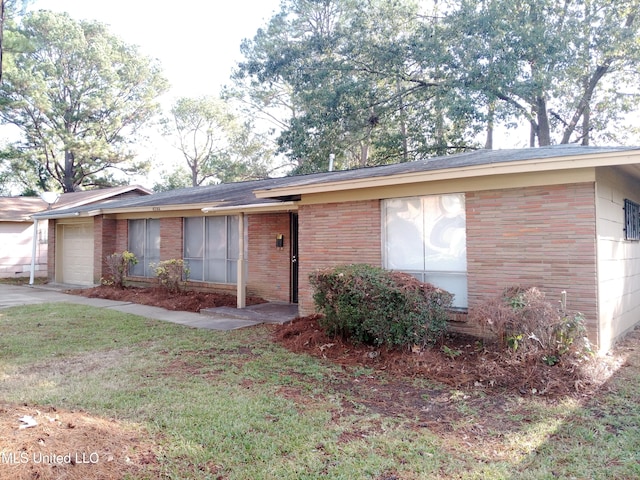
(196, 41)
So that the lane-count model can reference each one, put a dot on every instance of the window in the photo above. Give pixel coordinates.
(426, 237)
(144, 243)
(211, 248)
(631, 220)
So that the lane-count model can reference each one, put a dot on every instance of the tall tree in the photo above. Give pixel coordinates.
(214, 142)
(550, 63)
(351, 85)
(379, 81)
(79, 95)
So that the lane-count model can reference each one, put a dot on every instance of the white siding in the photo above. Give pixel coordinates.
(618, 259)
(16, 243)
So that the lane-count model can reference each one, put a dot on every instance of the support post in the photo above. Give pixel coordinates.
(242, 280)
(34, 247)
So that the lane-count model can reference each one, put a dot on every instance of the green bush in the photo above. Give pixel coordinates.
(171, 273)
(374, 306)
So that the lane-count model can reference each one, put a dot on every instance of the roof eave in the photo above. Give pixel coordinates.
(520, 166)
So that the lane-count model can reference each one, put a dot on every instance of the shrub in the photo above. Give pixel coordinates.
(374, 306)
(525, 323)
(118, 267)
(171, 273)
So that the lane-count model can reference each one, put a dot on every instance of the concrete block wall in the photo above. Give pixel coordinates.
(535, 236)
(336, 233)
(269, 267)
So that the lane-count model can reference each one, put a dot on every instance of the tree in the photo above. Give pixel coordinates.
(350, 86)
(214, 142)
(379, 81)
(79, 96)
(560, 66)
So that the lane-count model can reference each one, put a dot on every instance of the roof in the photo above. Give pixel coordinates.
(277, 192)
(480, 160)
(21, 209)
(224, 195)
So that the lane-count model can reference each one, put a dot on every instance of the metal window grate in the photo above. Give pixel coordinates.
(631, 220)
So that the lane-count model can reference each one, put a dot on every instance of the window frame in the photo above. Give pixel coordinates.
(206, 272)
(631, 220)
(150, 253)
(456, 275)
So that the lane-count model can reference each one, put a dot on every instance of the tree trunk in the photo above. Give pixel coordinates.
(489, 142)
(1, 34)
(403, 125)
(544, 134)
(67, 181)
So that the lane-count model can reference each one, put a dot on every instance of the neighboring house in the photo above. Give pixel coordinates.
(17, 226)
(562, 218)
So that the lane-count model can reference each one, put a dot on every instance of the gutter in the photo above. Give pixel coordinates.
(251, 206)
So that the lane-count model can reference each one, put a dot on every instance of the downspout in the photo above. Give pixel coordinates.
(242, 280)
(33, 251)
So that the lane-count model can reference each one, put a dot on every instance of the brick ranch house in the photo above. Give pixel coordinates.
(562, 218)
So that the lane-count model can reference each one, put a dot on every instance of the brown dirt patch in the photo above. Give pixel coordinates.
(70, 445)
(185, 301)
(472, 367)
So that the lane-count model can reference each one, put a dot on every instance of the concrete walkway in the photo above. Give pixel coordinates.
(223, 318)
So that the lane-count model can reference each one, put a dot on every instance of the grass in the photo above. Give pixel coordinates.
(236, 405)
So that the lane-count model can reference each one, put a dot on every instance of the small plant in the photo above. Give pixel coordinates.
(525, 323)
(450, 352)
(513, 341)
(118, 267)
(171, 273)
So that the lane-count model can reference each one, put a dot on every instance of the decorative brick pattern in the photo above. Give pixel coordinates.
(269, 267)
(536, 236)
(333, 234)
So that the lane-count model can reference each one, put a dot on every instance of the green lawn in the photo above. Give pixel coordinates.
(235, 405)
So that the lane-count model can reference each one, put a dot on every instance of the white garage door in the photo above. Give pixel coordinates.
(77, 253)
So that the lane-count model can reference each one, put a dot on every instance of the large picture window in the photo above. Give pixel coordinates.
(144, 243)
(211, 248)
(426, 237)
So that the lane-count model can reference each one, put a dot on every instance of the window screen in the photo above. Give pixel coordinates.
(144, 243)
(211, 248)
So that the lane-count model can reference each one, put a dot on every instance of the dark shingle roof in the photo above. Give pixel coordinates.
(242, 193)
(478, 157)
(224, 195)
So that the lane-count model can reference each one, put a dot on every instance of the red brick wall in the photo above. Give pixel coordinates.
(333, 234)
(536, 236)
(171, 238)
(269, 267)
(104, 244)
(122, 235)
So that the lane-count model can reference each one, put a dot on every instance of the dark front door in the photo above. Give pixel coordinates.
(294, 257)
